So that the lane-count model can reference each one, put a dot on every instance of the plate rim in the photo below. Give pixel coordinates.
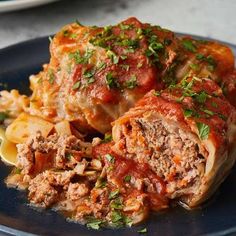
(12, 5)
(12, 231)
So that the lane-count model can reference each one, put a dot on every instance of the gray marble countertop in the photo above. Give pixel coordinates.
(211, 18)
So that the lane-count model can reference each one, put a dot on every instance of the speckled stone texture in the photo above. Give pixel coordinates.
(215, 18)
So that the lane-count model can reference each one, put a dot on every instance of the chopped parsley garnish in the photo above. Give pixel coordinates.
(139, 31)
(203, 130)
(68, 156)
(3, 116)
(201, 97)
(214, 104)
(157, 93)
(119, 220)
(79, 59)
(209, 59)
(76, 85)
(194, 66)
(89, 73)
(167, 42)
(142, 231)
(51, 76)
(110, 158)
(111, 81)
(131, 83)
(131, 43)
(94, 223)
(78, 23)
(101, 183)
(65, 33)
(107, 138)
(208, 112)
(116, 204)
(116, 217)
(114, 194)
(125, 27)
(114, 58)
(188, 113)
(101, 65)
(222, 116)
(188, 45)
(123, 57)
(17, 171)
(140, 64)
(200, 56)
(73, 36)
(125, 67)
(127, 178)
(154, 47)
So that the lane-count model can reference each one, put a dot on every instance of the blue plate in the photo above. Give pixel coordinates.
(217, 218)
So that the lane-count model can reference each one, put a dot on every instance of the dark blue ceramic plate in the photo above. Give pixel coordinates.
(19, 61)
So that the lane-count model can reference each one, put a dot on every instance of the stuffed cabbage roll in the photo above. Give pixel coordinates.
(186, 134)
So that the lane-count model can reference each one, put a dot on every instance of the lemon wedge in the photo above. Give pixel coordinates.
(8, 151)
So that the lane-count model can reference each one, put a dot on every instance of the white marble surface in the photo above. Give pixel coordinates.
(212, 18)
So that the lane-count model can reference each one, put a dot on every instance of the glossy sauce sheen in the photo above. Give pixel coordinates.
(123, 167)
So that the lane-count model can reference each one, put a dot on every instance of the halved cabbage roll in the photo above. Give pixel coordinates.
(186, 133)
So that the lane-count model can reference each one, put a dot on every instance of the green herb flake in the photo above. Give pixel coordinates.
(123, 57)
(139, 31)
(101, 183)
(78, 23)
(76, 85)
(116, 216)
(125, 67)
(3, 116)
(114, 58)
(73, 36)
(214, 104)
(111, 81)
(116, 204)
(125, 27)
(51, 76)
(131, 43)
(222, 117)
(201, 97)
(131, 83)
(167, 42)
(101, 65)
(157, 93)
(79, 59)
(188, 113)
(127, 178)
(194, 66)
(17, 171)
(211, 113)
(65, 33)
(94, 224)
(128, 221)
(200, 56)
(209, 59)
(142, 231)
(114, 194)
(129, 50)
(107, 138)
(89, 73)
(203, 130)
(110, 158)
(140, 64)
(188, 45)
(68, 156)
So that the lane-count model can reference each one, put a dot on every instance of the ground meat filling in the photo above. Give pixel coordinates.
(172, 153)
(86, 181)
